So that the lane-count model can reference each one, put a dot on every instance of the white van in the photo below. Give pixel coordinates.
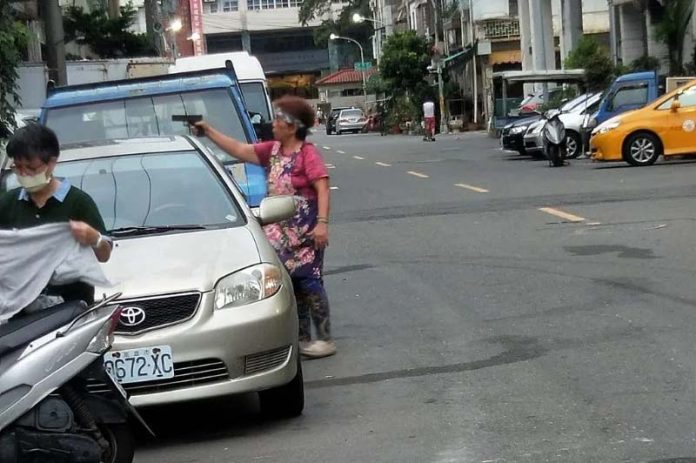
(252, 80)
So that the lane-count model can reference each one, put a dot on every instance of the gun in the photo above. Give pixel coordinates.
(190, 120)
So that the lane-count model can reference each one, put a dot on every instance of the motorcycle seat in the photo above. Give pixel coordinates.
(21, 329)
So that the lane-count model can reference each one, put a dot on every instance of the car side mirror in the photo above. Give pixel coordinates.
(675, 105)
(276, 209)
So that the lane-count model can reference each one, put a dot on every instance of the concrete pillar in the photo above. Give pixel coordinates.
(571, 26)
(525, 34)
(632, 39)
(246, 41)
(656, 48)
(543, 53)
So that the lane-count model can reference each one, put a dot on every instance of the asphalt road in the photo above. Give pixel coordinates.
(487, 308)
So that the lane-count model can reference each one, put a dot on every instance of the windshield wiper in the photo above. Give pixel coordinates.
(143, 230)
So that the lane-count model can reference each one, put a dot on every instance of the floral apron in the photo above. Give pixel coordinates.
(291, 238)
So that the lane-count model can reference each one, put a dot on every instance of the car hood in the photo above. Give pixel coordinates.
(526, 121)
(178, 262)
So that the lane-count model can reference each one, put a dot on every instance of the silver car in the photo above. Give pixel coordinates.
(572, 119)
(208, 309)
(350, 120)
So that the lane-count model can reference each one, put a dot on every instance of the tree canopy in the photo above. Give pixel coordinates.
(107, 37)
(13, 39)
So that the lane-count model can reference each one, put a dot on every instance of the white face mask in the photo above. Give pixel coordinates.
(34, 183)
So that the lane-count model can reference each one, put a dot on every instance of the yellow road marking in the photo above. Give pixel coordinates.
(562, 215)
(417, 174)
(383, 164)
(471, 187)
(360, 158)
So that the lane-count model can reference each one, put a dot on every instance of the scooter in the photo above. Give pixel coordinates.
(46, 412)
(554, 135)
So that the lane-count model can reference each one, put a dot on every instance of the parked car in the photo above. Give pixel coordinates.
(208, 308)
(144, 107)
(572, 121)
(512, 136)
(664, 127)
(333, 118)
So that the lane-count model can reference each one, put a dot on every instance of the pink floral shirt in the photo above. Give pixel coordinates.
(309, 166)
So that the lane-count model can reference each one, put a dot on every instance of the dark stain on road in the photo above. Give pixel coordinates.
(624, 252)
(675, 460)
(347, 268)
(516, 349)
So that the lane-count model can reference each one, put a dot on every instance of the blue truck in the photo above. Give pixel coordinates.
(144, 107)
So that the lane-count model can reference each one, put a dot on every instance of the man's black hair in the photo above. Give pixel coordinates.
(33, 141)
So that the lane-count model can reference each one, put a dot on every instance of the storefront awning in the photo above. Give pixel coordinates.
(505, 56)
(460, 58)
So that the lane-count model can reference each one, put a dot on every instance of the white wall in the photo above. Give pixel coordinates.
(489, 9)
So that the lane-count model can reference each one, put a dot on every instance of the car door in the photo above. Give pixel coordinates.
(681, 131)
(629, 96)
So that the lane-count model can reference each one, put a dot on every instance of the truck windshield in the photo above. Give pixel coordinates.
(255, 99)
(144, 116)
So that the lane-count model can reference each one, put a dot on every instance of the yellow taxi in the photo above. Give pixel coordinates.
(666, 127)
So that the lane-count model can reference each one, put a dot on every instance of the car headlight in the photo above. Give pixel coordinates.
(252, 284)
(518, 129)
(606, 127)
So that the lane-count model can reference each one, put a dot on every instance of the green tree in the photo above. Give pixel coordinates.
(404, 64)
(672, 29)
(107, 37)
(645, 63)
(595, 60)
(13, 39)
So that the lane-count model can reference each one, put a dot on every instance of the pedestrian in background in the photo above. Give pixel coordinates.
(295, 167)
(429, 117)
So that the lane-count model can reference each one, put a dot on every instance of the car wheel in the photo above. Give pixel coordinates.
(522, 151)
(642, 149)
(284, 401)
(573, 145)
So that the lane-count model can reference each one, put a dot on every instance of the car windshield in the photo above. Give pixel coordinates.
(154, 190)
(255, 99)
(144, 116)
(351, 113)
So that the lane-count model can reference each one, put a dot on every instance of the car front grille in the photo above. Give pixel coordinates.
(186, 374)
(264, 361)
(158, 312)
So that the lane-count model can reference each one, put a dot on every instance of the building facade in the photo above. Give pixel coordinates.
(271, 31)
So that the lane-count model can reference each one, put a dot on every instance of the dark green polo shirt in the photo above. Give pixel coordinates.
(17, 211)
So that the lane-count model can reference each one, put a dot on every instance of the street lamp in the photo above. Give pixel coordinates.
(362, 61)
(358, 18)
(175, 26)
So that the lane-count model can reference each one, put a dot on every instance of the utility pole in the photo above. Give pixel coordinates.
(153, 25)
(472, 37)
(55, 42)
(440, 86)
(114, 9)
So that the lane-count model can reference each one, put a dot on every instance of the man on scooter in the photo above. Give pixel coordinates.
(43, 198)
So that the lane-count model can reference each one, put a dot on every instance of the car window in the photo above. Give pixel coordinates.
(255, 99)
(630, 95)
(352, 113)
(153, 189)
(686, 99)
(144, 116)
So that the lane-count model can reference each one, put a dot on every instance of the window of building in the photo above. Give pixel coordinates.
(230, 5)
(282, 3)
(211, 7)
(295, 3)
(512, 8)
(254, 4)
(267, 4)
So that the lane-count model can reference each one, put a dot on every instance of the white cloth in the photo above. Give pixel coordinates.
(33, 258)
(428, 109)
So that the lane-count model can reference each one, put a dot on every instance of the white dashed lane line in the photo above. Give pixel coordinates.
(359, 158)
(562, 215)
(334, 188)
(417, 174)
(340, 152)
(383, 164)
(326, 148)
(471, 187)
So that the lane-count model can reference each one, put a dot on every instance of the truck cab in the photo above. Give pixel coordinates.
(144, 108)
(626, 93)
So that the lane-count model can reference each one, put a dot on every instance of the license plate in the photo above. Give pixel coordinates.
(140, 365)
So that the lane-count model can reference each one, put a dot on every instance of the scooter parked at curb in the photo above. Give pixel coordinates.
(46, 413)
(554, 135)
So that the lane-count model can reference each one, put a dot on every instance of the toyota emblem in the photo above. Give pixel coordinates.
(132, 316)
